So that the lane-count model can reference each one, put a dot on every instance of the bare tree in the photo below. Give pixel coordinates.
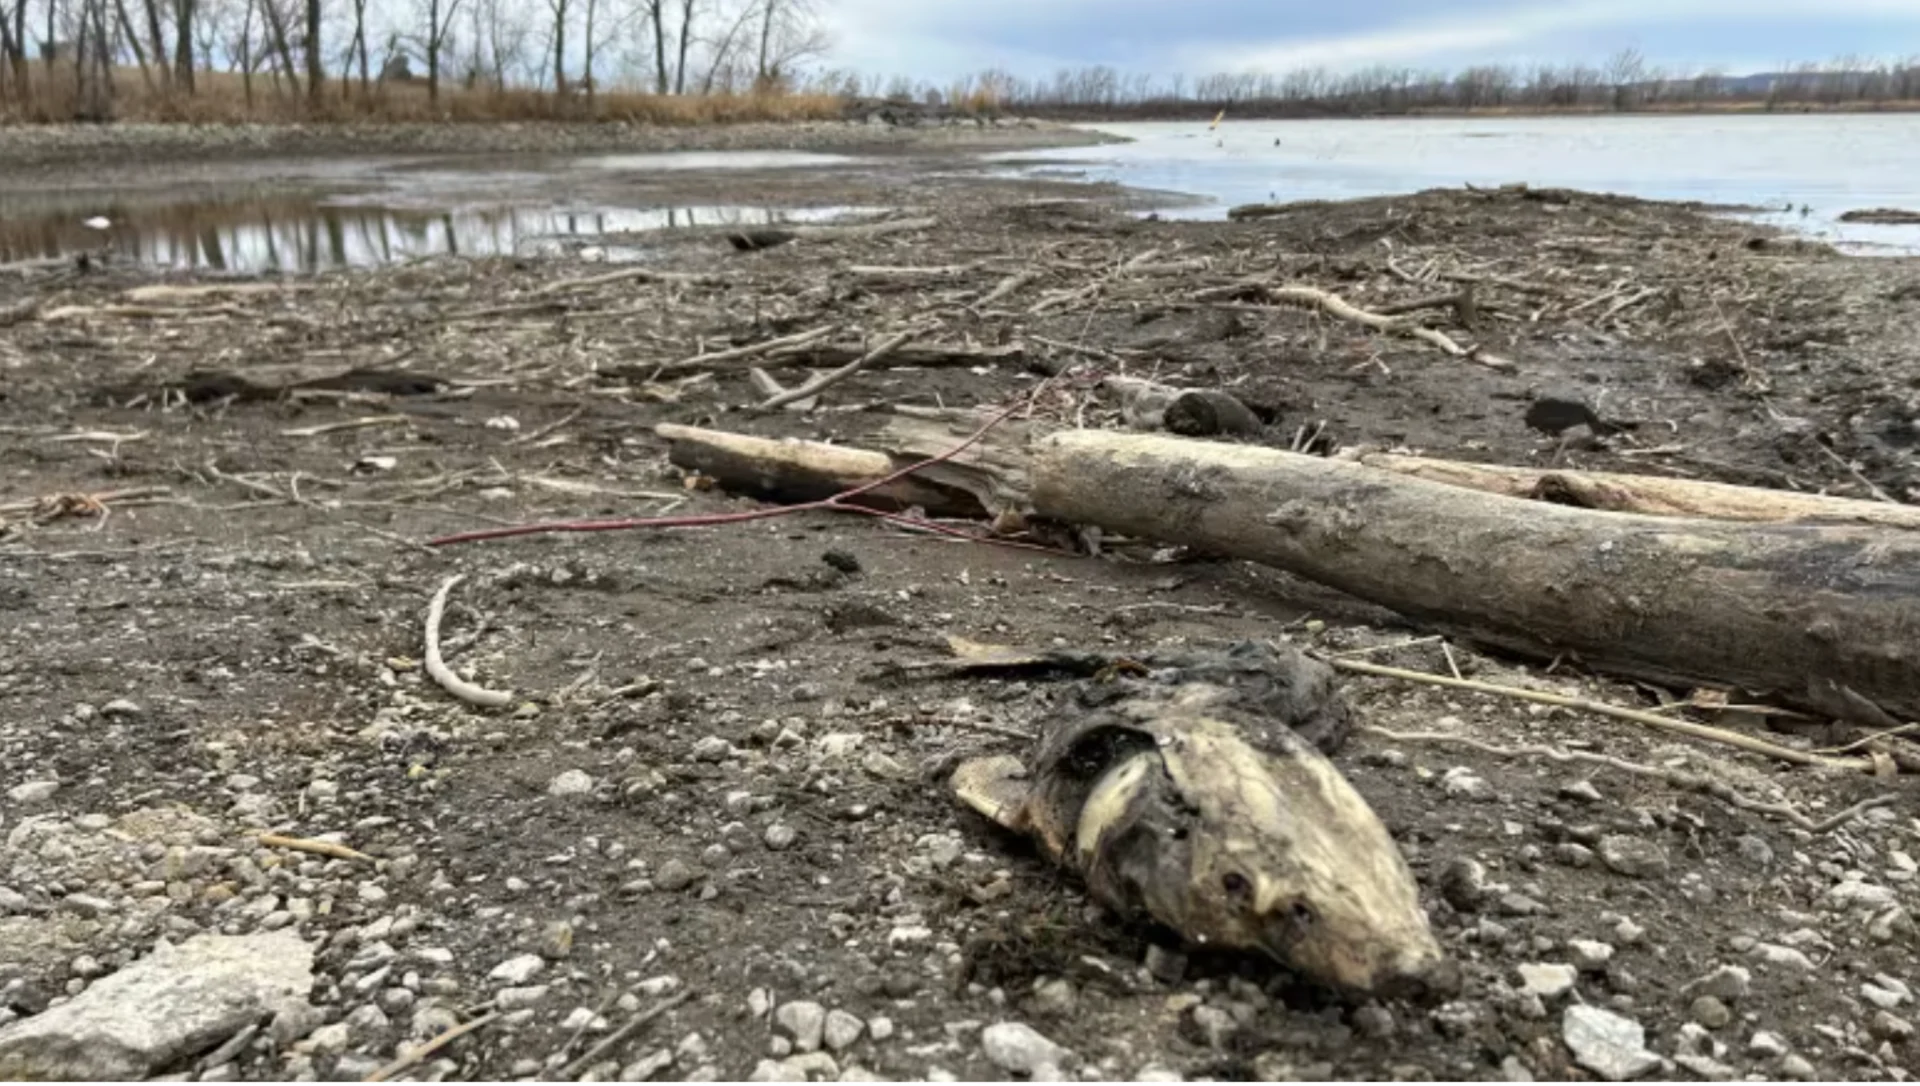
(316, 62)
(440, 15)
(789, 33)
(687, 11)
(560, 10)
(183, 16)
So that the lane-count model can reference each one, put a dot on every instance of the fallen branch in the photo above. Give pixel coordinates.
(1337, 306)
(438, 669)
(1818, 614)
(1004, 288)
(185, 292)
(347, 424)
(318, 848)
(832, 231)
(620, 1036)
(751, 350)
(1653, 495)
(833, 377)
(1687, 781)
(1651, 720)
(912, 274)
(643, 274)
(420, 1053)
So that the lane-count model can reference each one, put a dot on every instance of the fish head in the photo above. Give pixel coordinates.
(1287, 857)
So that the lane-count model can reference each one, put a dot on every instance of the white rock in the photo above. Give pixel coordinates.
(879, 1028)
(330, 1039)
(583, 1018)
(517, 971)
(647, 1066)
(804, 1021)
(33, 791)
(1766, 1045)
(517, 999)
(1610, 1046)
(842, 1030)
(1773, 954)
(799, 1068)
(1590, 956)
(1017, 1047)
(1882, 998)
(175, 1002)
(1547, 980)
(1861, 895)
(574, 782)
(1727, 983)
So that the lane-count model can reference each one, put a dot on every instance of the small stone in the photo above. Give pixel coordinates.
(1894, 923)
(1463, 783)
(519, 999)
(1607, 1044)
(879, 1028)
(712, 749)
(666, 985)
(1166, 966)
(1215, 1026)
(759, 1002)
(1153, 1072)
(1633, 857)
(582, 1019)
(802, 1068)
(1374, 1022)
(1766, 1045)
(1728, 983)
(1463, 883)
(574, 782)
(804, 1021)
(1573, 855)
(120, 707)
(1754, 850)
(556, 941)
(33, 792)
(1582, 790)
(1881, 997)
(842, 1030)
(518, 970)
(674, 876)
(1888, 1026)
(1708, 1068)
(1860, 895)
(330, 1039)
(1549, 981)
(1589, 956)
(1710, 1012)
(294, 1021)
(780, 836)
(1773, 954)
(1054, 997)
(1019, 1048)
(1628, 933)
(647, 1066)
(1799, 1068)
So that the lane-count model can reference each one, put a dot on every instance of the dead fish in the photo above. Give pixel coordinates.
(1165, 810)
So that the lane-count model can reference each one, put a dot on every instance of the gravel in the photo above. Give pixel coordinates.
(1609, 1045)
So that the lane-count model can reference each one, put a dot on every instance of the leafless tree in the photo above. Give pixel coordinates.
(561, 11)
(316, 62)
(440, 15)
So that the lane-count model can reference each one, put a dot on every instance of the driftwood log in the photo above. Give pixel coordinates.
(1822, 615)
(791, 470)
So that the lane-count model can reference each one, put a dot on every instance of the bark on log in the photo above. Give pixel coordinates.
(1822, 615)
(1652, 495)
(800, 471)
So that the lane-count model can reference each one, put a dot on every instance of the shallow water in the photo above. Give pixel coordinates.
(1828, 164)
(302, 233)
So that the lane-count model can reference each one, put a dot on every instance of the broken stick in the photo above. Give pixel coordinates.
(438, 669)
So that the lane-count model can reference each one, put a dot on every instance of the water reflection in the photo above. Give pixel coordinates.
(301, 235)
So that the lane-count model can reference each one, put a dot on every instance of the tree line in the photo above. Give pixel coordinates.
(73, 59)
(1625, 82)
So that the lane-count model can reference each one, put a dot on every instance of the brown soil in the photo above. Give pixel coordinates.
(262, 606)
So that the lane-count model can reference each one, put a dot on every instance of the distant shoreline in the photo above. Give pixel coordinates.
(1203, 113)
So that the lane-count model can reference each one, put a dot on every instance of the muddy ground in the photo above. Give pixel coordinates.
(715, 780)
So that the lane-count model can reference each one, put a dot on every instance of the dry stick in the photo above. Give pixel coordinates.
(651, 275)
(1626, 303)
(619, 1036)
(1339, 307)
(751, 350)
(436, 667)
(1859, 476)
(837, 503)
(318, 848)
(530, 438)
(1717, 789)
(1651, 720)
(349, 424)
(833, 377)
(1005, 287)
(416, 1055)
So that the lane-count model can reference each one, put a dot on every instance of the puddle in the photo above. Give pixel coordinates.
(302, 234)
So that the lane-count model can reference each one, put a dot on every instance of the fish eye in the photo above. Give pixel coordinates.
(1235, 884)
(1302, 914)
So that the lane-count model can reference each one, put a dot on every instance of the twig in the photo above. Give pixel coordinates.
(751, 350)
(654, 275)
(832, 377)
(619, 1036)
(1005, 287)
(535, 435)
(318, 848)
(416, 1055)
(1651, 720)
(438, 669)
(1339, 307)
(1847, 465)
(348, 424)
(1717, 789)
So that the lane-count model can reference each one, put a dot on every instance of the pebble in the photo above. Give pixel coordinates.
(1633, 857)
(1766, 1045)
(1754, 850)
(294, 1021)
(1628, 933)
(1881, 997)
(1373, 1022)
(330, 1039)
(121, 707)
(518, 999)
(1607, 1044)
(1215, 1026)
(842, 1030)
(1708, 1068)
(1019, 1048)
(518, 970)
(759, 1002)
(1463, 783)
(801, 1068)
(1773, 954)
(1463, 883)
(1166, 966)
(1798, 1068)
(1582, 790)
(574, 782)
(33, 791)
(879, 1028)
(647, 1066)
(1547, 980)
(804, 1021)
(1729, 983)
(1855, 894)
(674, 876)
(780, 836)
(1589, 956)
(712, 749)
(1710, 1012)
(1054, 997)
(1888, 1026)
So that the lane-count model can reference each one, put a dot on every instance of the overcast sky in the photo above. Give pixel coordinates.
(942, 39)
